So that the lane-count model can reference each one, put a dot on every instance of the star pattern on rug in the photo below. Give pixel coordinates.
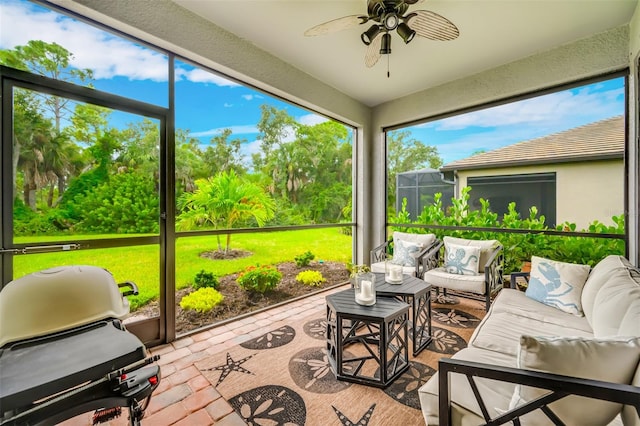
(229, 366)
(364, 420)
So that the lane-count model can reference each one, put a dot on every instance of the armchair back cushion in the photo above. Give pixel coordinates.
(612, 360)
(486, 248)
(405, 244)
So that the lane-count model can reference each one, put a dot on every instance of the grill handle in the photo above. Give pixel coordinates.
(131, 286)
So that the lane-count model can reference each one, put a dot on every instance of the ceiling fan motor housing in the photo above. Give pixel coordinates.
(387, 10)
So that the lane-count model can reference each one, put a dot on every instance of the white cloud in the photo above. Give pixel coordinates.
(312, 119)
(557, 107)
(252, 96)
(107, 55)
(227, 105)
(198, 75)
(251, 148)
(235, 130)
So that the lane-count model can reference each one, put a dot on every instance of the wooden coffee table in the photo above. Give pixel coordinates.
(417, 293)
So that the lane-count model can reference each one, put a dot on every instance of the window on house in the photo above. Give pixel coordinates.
(526, 191)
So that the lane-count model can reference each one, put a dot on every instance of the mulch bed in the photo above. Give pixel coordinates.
(238, 301)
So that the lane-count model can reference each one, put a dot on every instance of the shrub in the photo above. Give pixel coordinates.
(518, 247)
(204, 279)
(311, 278)
(259, 279)
(304, 259)
(202, 300)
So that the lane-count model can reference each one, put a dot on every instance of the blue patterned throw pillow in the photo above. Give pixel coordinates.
(461, 260)
(558, 284)
(403, 252)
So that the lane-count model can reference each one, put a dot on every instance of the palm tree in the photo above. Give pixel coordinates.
(224, 201)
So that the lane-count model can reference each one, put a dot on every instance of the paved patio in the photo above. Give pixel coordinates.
(185, 397)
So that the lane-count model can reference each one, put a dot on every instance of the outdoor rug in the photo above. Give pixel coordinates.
(283, 377)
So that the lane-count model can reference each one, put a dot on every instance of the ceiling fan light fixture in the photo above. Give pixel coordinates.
(385, 47)
(368, 36)
(390, 21)
(405, 32)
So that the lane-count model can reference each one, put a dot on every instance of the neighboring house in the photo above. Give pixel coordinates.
(574, 176)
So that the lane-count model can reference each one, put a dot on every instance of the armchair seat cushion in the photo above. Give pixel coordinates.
(439, 277)
(378, 267)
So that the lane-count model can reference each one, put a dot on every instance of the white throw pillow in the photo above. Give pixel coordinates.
(558, 284)
(612, 360)
(404, 251)
(486, 247)
(461, 260)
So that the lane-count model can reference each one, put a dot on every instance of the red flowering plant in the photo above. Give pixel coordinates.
(259, 279)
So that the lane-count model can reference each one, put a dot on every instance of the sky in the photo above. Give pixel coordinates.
(206, 103)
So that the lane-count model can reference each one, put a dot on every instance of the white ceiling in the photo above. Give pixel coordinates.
(492, 32)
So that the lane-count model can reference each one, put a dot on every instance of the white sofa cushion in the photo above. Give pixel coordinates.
(629, 414)
(613, 360)
(599, 275)
(557, 284)
(465, 408)
(617, 306)
(439, 277)
(486, 248)
(461, 260)
(517, 303)
(501, 331)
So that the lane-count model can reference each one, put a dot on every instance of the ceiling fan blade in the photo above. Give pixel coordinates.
(335, 25)
(373, 51)
(432, 26)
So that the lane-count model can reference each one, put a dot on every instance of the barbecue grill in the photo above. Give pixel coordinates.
(64, 350)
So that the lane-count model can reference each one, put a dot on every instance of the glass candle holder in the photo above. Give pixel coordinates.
(365, 289)
(392, 272)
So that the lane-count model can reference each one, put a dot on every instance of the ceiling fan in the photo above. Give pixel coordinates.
(389, 15)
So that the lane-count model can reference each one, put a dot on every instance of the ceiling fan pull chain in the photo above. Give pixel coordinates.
(388, 73)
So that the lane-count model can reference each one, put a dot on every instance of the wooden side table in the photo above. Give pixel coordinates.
(380, 332)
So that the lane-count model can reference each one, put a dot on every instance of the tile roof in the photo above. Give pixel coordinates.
(603, 139)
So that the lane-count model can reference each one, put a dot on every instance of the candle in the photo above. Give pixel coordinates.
(367, 290)
(396, 274)
(365, 295)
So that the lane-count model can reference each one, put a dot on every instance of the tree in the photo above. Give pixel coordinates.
(54, 61)
(223, 202)
(223, 154)
(309, 166)
(405, 153)
(50, 60)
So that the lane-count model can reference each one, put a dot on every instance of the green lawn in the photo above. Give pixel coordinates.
(140, 264)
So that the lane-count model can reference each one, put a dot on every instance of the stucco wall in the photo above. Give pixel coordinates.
(584, 191)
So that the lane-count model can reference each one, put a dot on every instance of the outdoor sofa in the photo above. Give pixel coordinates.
(529, 339)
